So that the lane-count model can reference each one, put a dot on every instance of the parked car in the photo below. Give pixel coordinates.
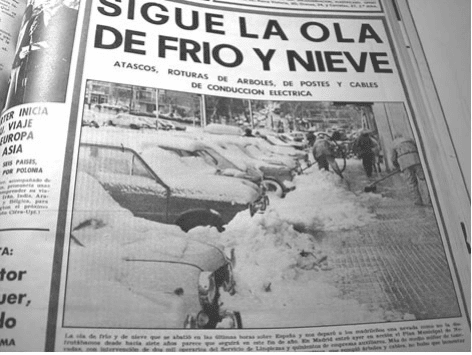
(172, 165)
(301, 157)
(216, 128)
(295, 139)
(257, 148)
(189, 148)
(298, 136)
(89, 119)
(172, 125)
(204, 157)
(277, 178)
(281, 140)
(126, 120)
(125, 272)
(276, 144)
(153, 189)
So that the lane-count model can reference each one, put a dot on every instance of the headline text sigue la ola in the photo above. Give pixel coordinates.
(233, 55)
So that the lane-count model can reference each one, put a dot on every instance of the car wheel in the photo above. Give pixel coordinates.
(273, 187)
(233, 320)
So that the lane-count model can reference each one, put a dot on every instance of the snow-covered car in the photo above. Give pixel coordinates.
(298, 136)
(295, 139)
(282, 141)
(216, 128)
(126, 272)
(277, 178)
(152, 188)
(172, 125)
(126, 120)
(89, 119)
(190, 149)
(256, 147)
(110, 107)
(172, 165)
(198, 156)
(162, 124)
(301, 157)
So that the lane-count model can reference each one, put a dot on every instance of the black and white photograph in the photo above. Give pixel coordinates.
(235, 175)
(194, 211)
(41, 65)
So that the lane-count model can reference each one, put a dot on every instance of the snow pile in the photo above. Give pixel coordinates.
(320, 202)
(276, 278)
(276, 266)
(267, 249)
(275, 272)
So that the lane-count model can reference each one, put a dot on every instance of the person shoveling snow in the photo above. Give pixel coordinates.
(323, 151)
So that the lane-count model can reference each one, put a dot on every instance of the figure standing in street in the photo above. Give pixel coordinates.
(363, 147)
(377, 150)
(311, 138)
(406, 158)
(324, 154)
(248, 133)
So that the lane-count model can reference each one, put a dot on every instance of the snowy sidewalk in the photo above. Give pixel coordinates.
(330, 254)
(396, 262)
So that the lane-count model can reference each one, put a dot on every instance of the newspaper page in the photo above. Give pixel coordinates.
(222, 176)
(11, 13)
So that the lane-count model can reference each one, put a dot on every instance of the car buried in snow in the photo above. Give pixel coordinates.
(150, 188)
(188, 148)
(124, 273)
(126, 120)
(277, 178)
(144, 285)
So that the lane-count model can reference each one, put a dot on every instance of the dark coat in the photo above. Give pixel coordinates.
(363, 145)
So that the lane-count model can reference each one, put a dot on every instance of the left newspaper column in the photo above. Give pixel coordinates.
(37, 39)
(11, 13)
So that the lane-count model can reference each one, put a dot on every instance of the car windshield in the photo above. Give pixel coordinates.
(110, 160)
(254, 150)
(243, 150)
(223, 162)
(284, 139)
(270, 139)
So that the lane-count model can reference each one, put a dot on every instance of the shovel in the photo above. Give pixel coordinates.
(373, 188)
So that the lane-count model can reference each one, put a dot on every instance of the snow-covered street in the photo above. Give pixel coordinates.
(291, 268)
(328, 253)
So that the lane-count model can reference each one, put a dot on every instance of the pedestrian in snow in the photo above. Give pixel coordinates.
(406, 158)
(363, 147)
(248, 133)
(377, 150)
(311, 138)
(324, 154)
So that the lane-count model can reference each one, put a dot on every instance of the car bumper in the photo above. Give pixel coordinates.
(259, 206)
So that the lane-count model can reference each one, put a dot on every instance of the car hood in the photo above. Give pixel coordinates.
(251, 174)
(150, 246)
(186, 182)
(107, 289)
(106, 293)
(287, 162)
